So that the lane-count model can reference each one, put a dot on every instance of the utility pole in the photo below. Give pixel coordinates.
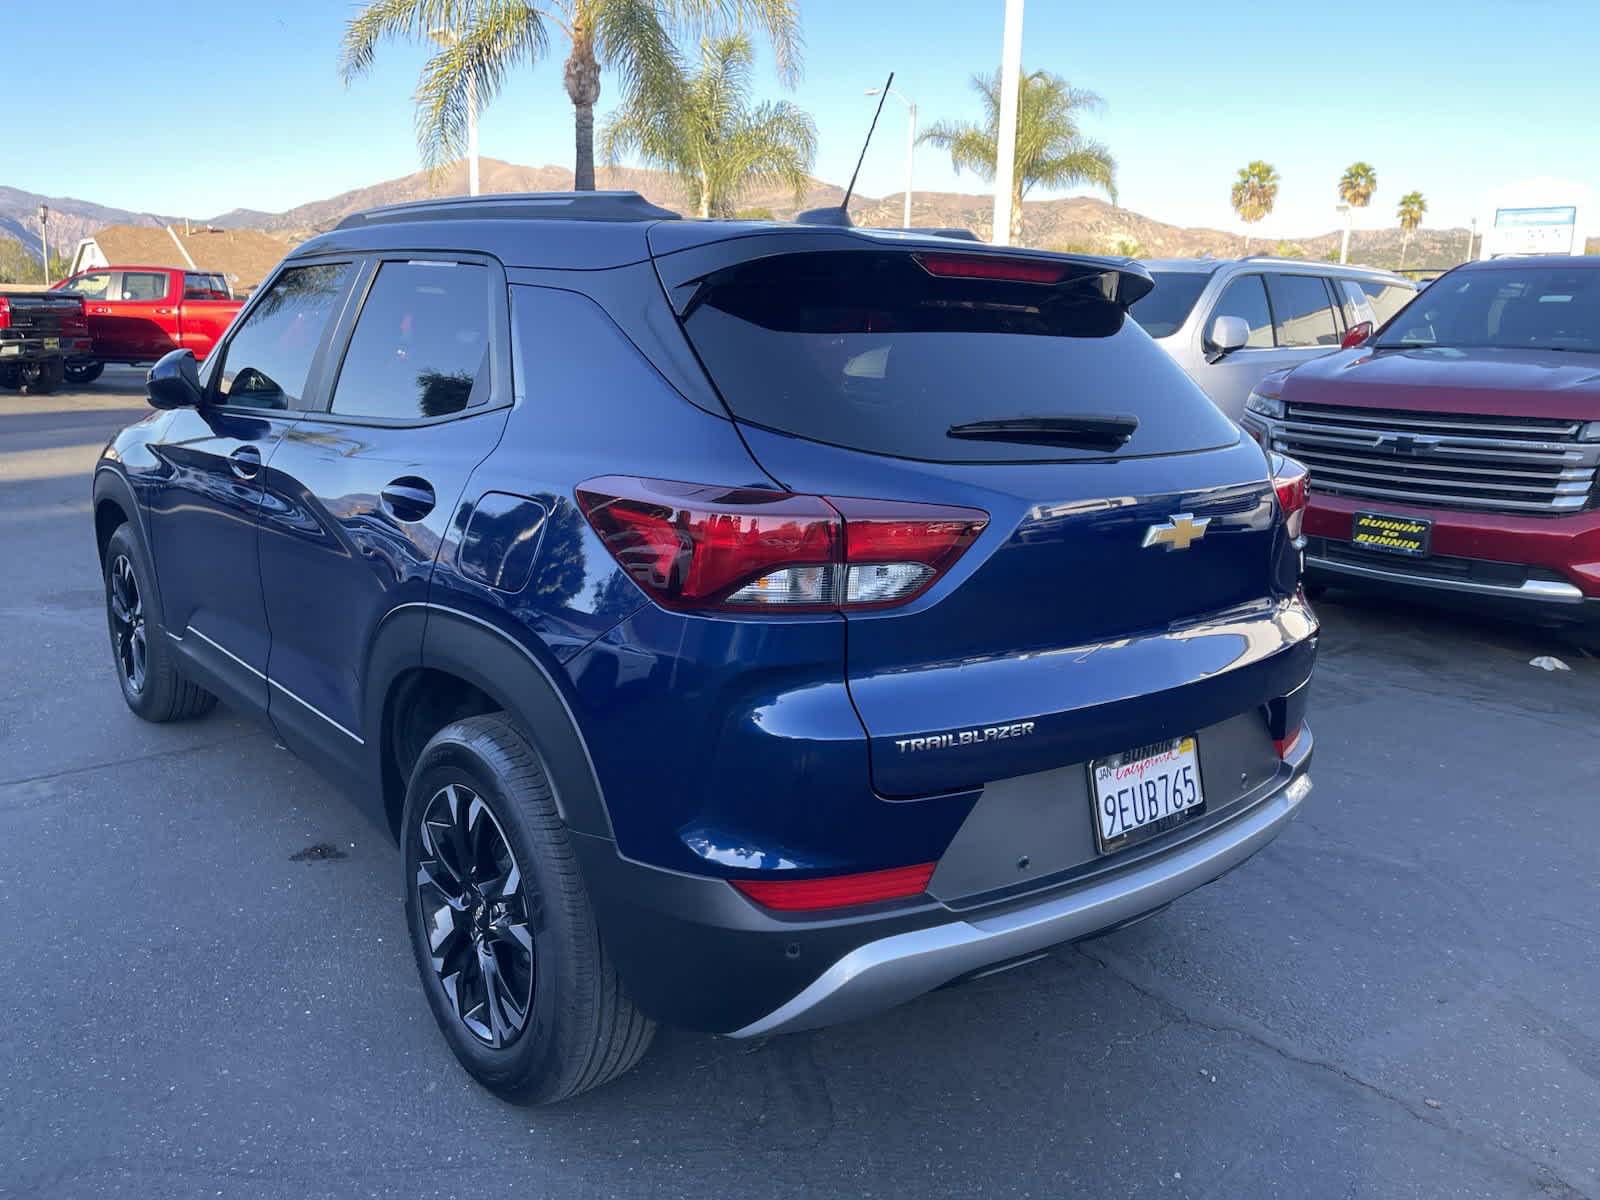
(44, 241)
(1006, 138)
(449, 37)
(911, 144)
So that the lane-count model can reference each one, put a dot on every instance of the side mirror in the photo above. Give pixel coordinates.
(1228, 334)
(1357, 336)
(174, 382)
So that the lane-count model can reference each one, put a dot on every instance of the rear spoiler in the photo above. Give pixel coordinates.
(687, 251)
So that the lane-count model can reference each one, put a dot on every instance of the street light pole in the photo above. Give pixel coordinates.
(1006, 139)
(44, 241)
(911, 143)
(1344, 242)
(449, 37)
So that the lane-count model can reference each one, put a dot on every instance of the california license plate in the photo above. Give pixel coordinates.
(1406, 536)
(52, 343)
(1145, 791)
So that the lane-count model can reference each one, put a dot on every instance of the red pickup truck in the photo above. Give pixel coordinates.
(1457, 454)
(137, 314)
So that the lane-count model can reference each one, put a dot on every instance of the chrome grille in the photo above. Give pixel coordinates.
(1505, 464)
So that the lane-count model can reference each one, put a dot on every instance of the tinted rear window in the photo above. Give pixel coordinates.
(869, 351)
(1163, 311)
(1386, 298)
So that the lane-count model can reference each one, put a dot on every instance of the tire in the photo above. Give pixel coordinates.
(147, 668)
(83, 373)
(478, 784)
(45, 377)
(10, 377)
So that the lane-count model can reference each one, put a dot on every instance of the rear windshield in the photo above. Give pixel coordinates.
(1163, 311)
(869, 351)
(1534, 307)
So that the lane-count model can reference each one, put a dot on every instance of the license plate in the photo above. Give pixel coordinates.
(52, 343)
(1407, 536)
(1144, 792)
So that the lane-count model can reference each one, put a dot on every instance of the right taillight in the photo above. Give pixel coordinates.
(697, 546)
(1291, 480)
(5, 313)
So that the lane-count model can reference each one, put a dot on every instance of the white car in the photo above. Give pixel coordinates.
(1231, 321)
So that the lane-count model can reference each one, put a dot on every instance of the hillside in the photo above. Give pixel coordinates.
(1077, 223)
(70, 220)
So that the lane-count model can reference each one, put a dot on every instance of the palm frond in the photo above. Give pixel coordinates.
(504, 34)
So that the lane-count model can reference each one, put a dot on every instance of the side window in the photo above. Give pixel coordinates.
(267, 362)
(1354, 303)
(203, 287)
(421, 344)
(92, 286)
(144, 285)
(1301, 309)
(1387, 299)
(1246, 297)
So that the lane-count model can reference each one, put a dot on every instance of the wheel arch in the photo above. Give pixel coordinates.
(114, 505)
(465, 652)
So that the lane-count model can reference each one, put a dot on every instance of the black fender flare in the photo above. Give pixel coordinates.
(514, 676)
(110, 484)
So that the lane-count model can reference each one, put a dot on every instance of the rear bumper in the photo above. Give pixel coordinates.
(693, 952)
(1539, 566)
(21, 349)
(890, 970)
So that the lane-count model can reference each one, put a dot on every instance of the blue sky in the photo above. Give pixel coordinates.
(240, 104)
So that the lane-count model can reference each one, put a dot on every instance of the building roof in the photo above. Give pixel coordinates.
(245, 256)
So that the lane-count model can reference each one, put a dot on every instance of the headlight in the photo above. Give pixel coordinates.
(1590, 432)
(1261, 406)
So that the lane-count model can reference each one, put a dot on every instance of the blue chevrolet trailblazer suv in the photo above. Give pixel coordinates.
(742, 626)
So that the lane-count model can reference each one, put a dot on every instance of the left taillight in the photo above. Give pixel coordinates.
(699, 547)
(1291, 481)
(5, 313)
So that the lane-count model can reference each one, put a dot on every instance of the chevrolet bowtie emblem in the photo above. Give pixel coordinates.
(1177, 533)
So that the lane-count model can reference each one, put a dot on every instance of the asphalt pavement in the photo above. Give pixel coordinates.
(1400, 997)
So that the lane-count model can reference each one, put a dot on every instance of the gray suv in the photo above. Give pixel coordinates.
(1230, 321)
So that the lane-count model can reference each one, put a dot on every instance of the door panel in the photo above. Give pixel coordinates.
(203, 503)
(361, 498)
(144, 309)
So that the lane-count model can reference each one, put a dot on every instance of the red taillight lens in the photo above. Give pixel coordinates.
(1291, 481)
(839, 891)
(1357, 335)
(5, 313)
(1287, 743)
(693, 546)
(987, 266)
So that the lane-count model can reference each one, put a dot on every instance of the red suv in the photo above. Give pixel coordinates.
(1455, 454)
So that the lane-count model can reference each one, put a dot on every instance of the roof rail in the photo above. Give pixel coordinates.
(549, 206)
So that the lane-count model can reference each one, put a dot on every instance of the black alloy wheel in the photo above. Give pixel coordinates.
(127, 624)
(474, 906)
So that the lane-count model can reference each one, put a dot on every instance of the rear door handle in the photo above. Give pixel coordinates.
(245, 462)
(99, 310)
(164, 312)
(408, 498)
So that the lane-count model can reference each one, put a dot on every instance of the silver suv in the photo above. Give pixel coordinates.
(1230, 321)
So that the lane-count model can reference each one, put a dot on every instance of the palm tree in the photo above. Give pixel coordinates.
(1356, 186)
(1050, 149)
(1254, 193)
(634, 38)
(705, 133)
(1412, 207)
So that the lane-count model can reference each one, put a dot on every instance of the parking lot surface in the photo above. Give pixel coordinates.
(1400, 997)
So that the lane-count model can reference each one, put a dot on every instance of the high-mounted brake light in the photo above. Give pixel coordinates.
(1291, 481)
(838, 891)
(695, 546)
(992, 266)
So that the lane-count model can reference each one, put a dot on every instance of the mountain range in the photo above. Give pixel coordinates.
(1078, 223)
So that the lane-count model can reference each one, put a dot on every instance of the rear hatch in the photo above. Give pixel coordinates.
(1123, 589)
(44, 314)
